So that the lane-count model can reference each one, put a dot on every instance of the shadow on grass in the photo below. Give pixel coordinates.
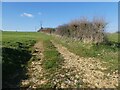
(114, 44)
(14, 63)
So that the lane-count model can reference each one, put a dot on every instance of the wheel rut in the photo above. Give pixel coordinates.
(87, 71)
(36, 77)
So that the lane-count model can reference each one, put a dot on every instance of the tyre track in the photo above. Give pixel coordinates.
(89, 68)
(35, 71)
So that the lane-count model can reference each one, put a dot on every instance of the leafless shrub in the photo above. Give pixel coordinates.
(84, 30)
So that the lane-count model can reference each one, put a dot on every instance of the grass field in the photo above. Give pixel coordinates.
(17, 47)
(113, 37)
(16, 52)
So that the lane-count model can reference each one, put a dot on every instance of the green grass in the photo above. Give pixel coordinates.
(113, 37)
(20, 36)
(16, 52)
(52, 58)
(22, 40)
(51, 63)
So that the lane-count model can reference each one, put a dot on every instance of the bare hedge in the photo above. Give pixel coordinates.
(84, 30)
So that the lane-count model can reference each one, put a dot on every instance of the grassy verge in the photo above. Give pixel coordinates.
(51, 63)
(52, 57)
(104, 52)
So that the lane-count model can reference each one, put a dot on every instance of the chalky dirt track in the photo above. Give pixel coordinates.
(88, 69)
(75, 72)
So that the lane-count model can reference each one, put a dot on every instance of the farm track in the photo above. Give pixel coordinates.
(87, 72)
(75, 72)
(35, 70)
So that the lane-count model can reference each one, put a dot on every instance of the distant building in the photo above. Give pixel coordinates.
(46, 30)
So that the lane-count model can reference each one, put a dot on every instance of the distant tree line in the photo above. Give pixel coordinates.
(84, 30)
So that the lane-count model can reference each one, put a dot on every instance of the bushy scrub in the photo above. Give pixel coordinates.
(84, 30)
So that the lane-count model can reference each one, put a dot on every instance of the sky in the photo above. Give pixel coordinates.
(60, 0)
(27, 16)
